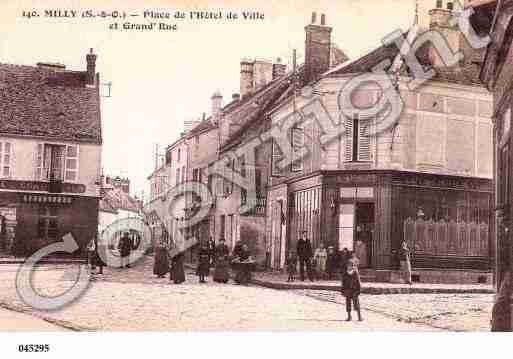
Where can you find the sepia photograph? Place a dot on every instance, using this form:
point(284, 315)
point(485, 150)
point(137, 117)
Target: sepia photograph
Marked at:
point(254, 167)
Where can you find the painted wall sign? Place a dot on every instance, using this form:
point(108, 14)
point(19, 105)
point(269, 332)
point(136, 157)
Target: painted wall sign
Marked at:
point(40, 186)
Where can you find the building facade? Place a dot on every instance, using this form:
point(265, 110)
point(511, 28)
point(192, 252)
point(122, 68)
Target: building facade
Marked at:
point(497, 74)
point(50, 150)
point(427, 179)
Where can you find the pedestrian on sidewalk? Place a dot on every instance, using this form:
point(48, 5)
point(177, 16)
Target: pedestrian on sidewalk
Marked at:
point(244, 264)
point(351, 287)
point(221, 274)
point(304, 252)
point(203, 262)
point(405, 260)
point(125, 248)
point(291, 263)
point(177, 273)
point(320, 257)
point(161, 265)
point(331, 262)
point(212, 251)
point(344, 257)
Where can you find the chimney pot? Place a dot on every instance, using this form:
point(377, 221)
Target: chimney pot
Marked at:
point(314, 17)
point(323, 19)
point(91, 68)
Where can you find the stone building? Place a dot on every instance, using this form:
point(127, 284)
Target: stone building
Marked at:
point(50, 154)
point(426, 179)
point(497, 73)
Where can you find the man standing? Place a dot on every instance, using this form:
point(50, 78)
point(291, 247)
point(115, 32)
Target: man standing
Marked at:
point(125, 247)
point(304, 252)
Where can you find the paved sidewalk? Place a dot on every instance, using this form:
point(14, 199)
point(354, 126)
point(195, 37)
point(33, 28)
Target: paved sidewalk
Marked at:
point(277, 280)
point(14, 321)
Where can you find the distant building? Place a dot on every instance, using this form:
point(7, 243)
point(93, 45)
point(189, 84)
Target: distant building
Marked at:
point(50, 154)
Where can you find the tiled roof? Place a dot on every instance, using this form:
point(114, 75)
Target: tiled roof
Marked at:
point(116, 199)
point(202, 126)
point(252, 112)
point(46, 103)
point(466, 73)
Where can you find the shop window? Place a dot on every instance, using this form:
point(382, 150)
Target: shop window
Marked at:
point(6, 152)
point(48, 223)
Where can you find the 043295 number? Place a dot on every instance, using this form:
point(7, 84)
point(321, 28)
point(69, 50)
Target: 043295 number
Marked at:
point(34, 348)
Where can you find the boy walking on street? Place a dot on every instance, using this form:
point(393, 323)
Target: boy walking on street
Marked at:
point(351, 286)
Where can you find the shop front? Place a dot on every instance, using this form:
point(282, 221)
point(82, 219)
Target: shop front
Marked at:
point(446, 220)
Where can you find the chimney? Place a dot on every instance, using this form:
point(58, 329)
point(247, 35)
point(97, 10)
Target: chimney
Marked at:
point(440, 20)
point(262, 73)
point(235, 97)
point(91, 68)
point(246, 77)
point(317, 48)
point(217, 103)
point(279, 69)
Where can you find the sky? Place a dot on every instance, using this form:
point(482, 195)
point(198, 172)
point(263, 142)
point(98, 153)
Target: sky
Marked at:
point(162, 78)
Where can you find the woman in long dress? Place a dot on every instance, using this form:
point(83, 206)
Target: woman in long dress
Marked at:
point(320, 257)
point(244, 264)
point(177, 274)
point(221, 273)
point(161, 266)
point(203, 262)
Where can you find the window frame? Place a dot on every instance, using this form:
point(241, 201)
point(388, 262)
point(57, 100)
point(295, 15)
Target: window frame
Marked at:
point(3, 153)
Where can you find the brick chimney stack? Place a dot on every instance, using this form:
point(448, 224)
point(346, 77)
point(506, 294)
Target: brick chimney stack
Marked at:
point(317, 47)
point(217, 103)
point(91, 68)
point(246, 77)
point(279, 69)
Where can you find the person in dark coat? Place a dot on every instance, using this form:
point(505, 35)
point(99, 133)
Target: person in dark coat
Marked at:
point(221, 274)
point(125, 248)
point(94, 256)
point(212, 251)
point(331, 263)
point(243, 275)
point(177, 274)
point(291, 263)
point(237, 249)
point(304, 252)
point(345, 255)
point(161, 265)
point(203, 262)
point(405, 262)
point(351, 287)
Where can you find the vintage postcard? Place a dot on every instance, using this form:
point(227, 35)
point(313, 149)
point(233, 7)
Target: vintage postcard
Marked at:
point(245, 165)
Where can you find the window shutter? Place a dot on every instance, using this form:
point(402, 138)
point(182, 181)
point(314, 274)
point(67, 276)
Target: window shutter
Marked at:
point(364, 141)
point(6, 159)
point(298, 142)
point(276, 157)
point(39, 156)
point(71, 163)
point(348, 123)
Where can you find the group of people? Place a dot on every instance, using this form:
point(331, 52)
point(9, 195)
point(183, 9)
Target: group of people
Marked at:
point(323, 263)
point(125, 247)
point(209, 255)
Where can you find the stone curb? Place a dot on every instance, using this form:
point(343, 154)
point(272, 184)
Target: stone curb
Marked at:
point(373, 290)
point(57, 322)
point(44, 261)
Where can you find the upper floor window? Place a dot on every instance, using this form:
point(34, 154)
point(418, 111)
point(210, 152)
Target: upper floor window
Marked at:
point(6, 152)
point(169, 157)
point(184, 174)
point(57, 162)
point(178, 156)
point(439, 4)
point(298, 142)
point(357, 139)
point(177, 176)
point(275, 160)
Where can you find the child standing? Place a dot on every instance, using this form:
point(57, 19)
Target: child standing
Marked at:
point(291, 262)
point(351, 289)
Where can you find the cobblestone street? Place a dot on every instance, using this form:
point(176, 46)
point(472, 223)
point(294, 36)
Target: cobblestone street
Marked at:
point(134, 299)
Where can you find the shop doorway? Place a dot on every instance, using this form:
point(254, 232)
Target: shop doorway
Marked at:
point(364, 231)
